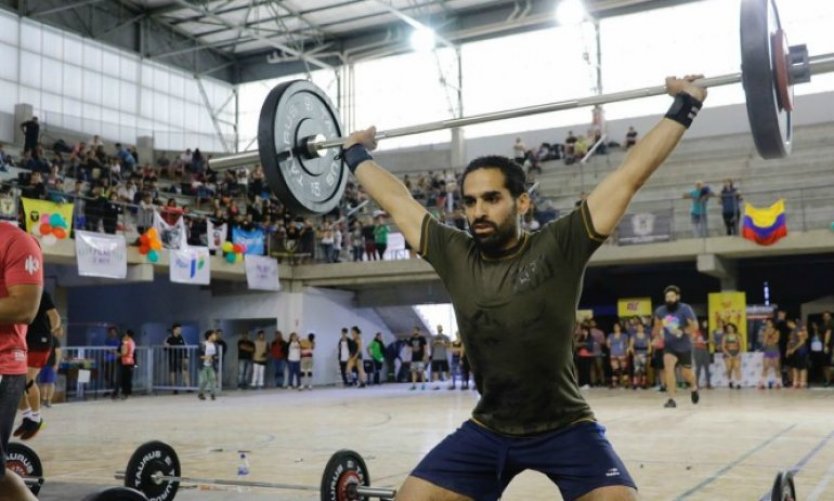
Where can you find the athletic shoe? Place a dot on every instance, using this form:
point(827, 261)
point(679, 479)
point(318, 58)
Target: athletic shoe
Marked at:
point(437, 387)
point(213, 397)
point(47, 405)
point(585, 387)
point(413, 387)
point(731, 385)
point(695, 397)
point(31, 428)
point(201, 396)
point(20, 429)
point(670, 404)
point(452, 387)
point(738, 386)
point(423, 386)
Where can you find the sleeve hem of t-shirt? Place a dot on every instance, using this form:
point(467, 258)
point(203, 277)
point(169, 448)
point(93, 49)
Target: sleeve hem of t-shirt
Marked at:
point(589, 224)
point(424, 235)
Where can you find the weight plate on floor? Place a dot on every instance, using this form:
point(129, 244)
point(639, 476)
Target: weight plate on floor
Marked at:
point(783, 487)
point(345, 471)
point(117, 494)
point(150, 458)
point(306, 183)
point(24, 461)
point(772, 126)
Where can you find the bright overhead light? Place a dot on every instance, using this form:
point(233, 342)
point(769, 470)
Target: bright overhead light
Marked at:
point(422, 39)
point(570, 12)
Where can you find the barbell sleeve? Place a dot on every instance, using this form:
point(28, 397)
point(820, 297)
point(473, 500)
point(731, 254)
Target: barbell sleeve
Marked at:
point(823, 63)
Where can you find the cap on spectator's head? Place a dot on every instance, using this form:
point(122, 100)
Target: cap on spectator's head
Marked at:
point(672, 288)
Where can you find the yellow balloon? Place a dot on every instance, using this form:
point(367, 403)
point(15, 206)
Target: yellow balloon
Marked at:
point(239, 258)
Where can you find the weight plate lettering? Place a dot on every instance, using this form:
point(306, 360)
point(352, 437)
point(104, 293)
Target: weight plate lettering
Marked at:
point(771, 125)
point(150, 458)
point(117, 494)
point(24, 461)
point(305, 183)
point(345, 471)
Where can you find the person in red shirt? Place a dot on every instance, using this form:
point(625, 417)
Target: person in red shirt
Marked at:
point(21, 285)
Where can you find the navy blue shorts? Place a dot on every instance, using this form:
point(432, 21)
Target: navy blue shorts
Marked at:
point(478, 463)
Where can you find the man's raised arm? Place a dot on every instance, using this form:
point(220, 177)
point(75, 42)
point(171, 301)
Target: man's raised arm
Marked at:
point(386, 190)
point(609, 200)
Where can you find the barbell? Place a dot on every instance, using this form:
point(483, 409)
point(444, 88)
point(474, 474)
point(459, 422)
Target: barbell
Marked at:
point(154, 470)
point(299, 131)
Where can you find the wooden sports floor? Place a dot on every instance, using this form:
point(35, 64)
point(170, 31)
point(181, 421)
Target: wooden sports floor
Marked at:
point(730, 446)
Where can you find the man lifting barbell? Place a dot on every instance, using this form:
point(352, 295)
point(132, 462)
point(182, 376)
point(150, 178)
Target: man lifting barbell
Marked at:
point(515, 296)
point(21, 284)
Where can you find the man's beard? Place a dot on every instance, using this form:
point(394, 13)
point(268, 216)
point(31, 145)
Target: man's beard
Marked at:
point(671, 305)
point(495, 242)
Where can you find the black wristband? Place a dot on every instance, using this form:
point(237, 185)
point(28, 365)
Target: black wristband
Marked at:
point(684, 109)
point(355, 155)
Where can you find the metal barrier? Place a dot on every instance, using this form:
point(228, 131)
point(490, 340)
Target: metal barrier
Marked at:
point(93, 371)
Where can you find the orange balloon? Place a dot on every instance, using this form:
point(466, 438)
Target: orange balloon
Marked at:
point(152, 233)
point(156, 245)
point(59, 233)
point(45, 228)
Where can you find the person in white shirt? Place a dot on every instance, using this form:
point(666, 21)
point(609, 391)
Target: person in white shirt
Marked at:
point(208, 370)
point(294, 361)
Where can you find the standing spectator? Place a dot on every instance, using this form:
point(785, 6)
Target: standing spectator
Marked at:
point(584, 356)
point(699, 196)
point(570, 142)
point(355, 361)
point(798, 356)
point(640, 349)
point(519, 151)
point(245, 350)
point(439, 357)
point(111, 359)
point(278, 351)
point(308, 346)
point(456, 349)
point(376, 349)
point(631, 137)
point(731, 347)
point(381, 237)
point(344, 355)
point(730, 207)
point(5, 159)
point(419, 357)
point(128, 161)
point(208, 370)
point(600, 351)
point(259, 361)
point(827, 335)
point(701, 346)
point(617, 343)
point(128, 362)
point(327, 241)
point(31, 134)
point(770, 358)
point(110, 217)
point(177, 358)
point(49, 373)
point(370, 241)
point(356, 240)
point(294, 361)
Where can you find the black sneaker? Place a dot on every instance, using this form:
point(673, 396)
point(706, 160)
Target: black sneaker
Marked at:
point(670, 404)
point(20, 429)
point(201, 396)
point(31, 428)
point(731, 385)
point(695, 397)
point(213, 397)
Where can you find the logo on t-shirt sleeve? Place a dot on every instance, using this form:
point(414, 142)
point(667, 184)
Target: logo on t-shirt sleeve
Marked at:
point(32, 265)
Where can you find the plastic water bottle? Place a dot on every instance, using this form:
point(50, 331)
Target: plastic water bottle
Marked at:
point(242, 470)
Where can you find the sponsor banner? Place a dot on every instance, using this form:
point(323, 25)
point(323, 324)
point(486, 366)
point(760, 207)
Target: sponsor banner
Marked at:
point(101, 255)
point(262, 273)
point(190, 266)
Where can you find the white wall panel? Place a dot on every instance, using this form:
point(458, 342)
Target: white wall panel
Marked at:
point(30, 37)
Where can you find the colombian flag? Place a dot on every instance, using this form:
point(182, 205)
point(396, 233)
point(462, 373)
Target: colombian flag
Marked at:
point(764, 226)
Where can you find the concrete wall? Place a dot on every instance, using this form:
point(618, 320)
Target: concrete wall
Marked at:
point(150, 309)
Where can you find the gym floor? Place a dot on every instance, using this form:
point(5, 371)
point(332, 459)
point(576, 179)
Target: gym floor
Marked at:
point(730, 446)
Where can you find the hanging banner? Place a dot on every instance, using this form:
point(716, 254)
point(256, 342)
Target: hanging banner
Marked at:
point(252, 239)
point(190, 266)
point(262, 273)
point(634, 307)
point(48, 220)
point(173, 236)
point(101, 255)
point(645, 228)
point(216, 234)
point(8, 207)
point(729, 307)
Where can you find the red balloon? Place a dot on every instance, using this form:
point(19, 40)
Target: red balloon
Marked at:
point(144, 249)
point(144, 240)
point(59, 233)
point(46, 229)
point(238, 249)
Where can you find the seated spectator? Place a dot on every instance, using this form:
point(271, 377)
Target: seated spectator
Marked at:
point(110, 215)
point(35, 188)
point(580, 148)
point(6, 160)
point(35, 162)
point(570, 141)
point(631, 138)
point(519, 151)
point(171, 213)
point(128, 161)
point(96, 141)
point(198, 162)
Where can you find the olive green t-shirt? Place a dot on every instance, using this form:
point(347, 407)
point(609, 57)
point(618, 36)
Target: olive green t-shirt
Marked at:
point(516, 317)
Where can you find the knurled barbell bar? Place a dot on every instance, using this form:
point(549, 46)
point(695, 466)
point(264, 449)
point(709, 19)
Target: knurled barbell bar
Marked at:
point(154, 469)
point(299, 131)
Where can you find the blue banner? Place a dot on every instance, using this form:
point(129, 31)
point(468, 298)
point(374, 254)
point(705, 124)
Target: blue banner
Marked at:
point(252, 239)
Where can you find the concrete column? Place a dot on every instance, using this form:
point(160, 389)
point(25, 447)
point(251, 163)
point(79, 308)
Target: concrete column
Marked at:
point(720, 268)
point(144, 146)
point(22, 113)
point(458, 158)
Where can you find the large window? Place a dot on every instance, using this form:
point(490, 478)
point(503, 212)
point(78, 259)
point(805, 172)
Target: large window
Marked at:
point(79, 84)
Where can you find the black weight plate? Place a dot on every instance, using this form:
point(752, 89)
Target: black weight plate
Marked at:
point(292, 112)
point(117, 494)
point(772, 127)
point(344, 470)
point(153, 457)
point(783, 487)
point(24, 461)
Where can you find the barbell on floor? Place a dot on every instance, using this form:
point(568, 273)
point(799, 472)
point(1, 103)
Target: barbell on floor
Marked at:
point(154, 469)
point(299, 131)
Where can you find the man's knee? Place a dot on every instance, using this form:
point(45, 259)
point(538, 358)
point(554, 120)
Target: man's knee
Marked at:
point(611, 493)
point(417, 489)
